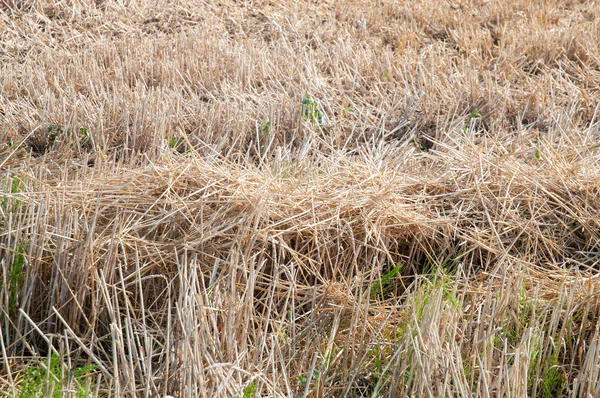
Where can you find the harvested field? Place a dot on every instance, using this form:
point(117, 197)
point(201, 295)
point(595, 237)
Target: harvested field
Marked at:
point(299, 199)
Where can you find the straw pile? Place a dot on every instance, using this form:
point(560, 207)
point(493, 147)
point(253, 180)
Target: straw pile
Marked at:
point(335, 198)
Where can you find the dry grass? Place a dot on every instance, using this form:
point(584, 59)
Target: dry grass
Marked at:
point(326, 198)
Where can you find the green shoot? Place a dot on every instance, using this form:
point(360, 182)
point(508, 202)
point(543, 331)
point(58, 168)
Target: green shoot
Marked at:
point(311, 111)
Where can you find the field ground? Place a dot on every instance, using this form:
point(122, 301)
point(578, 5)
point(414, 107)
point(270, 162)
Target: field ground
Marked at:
point(299, 198)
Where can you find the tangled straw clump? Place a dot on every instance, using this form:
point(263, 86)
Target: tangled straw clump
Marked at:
point(325, 199)
point(205, 259)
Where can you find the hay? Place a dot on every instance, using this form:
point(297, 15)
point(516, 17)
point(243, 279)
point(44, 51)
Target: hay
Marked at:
point(290, 199)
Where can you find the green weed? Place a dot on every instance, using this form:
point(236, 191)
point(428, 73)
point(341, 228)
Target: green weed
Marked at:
point(311, 111)
point(514, 327)
point(547, 372)
point(553, 381)
point(473, 115)
point(380, 287)
point(263, 128)
point(441, 274)
point(285, 169)
point(175, 143)
point(261, 132)
point(419, 146)
point(266, 127)
point(303, 379)
point(55, 131)
point(450, 264)
point(47, 381)
point(250, 390)
point(16, 278)
point(433, 284)
point(381, 357)
point(86, 138)
point(13, 187)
